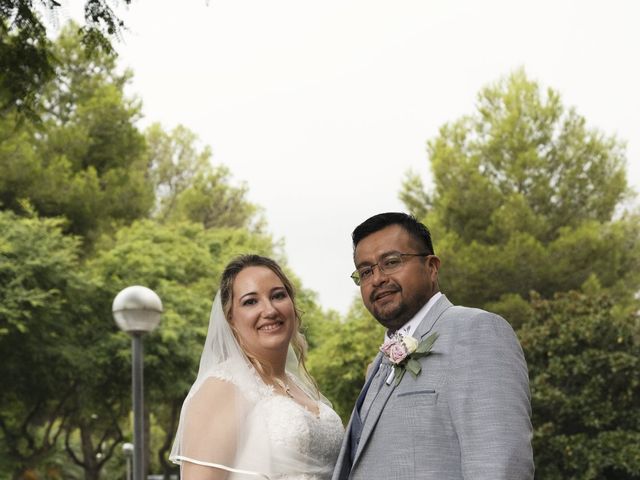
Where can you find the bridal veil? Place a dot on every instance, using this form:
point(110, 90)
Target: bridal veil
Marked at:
point(222, 425)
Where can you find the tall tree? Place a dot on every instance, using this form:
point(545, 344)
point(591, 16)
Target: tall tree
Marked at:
point(527, 197)
point(528, 202)
point(85, 160)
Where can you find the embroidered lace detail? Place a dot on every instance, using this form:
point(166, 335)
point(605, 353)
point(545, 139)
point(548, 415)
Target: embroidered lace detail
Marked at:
point(290, 426)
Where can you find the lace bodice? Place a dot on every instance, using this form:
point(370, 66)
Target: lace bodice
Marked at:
point(292, 430)
point(291, 426)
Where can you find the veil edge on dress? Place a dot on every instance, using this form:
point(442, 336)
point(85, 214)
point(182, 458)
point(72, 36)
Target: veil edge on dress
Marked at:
point(181, 458)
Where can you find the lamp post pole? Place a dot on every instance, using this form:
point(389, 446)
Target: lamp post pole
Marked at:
point(137, 311)
point(137, 390)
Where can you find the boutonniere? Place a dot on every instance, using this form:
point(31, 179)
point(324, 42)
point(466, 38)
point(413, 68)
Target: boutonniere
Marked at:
point(403, 351)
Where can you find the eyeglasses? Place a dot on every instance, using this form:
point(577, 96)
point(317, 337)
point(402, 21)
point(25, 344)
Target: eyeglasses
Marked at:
point(387, 264)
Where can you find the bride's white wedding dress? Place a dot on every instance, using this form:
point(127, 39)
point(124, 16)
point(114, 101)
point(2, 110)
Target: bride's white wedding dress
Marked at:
point(240, 428)
point(269, 435)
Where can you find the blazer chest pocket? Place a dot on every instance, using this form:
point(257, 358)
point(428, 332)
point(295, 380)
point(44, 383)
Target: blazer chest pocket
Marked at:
point(416, 398)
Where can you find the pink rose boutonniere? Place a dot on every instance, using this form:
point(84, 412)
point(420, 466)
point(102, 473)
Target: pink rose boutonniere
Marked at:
point(403, 351)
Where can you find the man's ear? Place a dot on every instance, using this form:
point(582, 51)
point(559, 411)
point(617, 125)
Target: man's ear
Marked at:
point(433, 262)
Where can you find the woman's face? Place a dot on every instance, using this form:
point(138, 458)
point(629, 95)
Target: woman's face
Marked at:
point(262, 312)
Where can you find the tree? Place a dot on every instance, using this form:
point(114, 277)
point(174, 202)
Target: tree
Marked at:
point(583, 358)
point(85, 160)
point(339, 362)
point(528, 203)
point(182, 262)
point(189, 187)
point(527, 197)
point(27, 59)
point(41, 292)
point(69, 380)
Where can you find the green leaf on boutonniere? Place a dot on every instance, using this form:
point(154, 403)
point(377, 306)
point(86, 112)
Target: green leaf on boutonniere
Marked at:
point(414, 367)
point(424, 347)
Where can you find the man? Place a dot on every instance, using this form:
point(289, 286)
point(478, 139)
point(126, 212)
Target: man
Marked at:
point(466, 412)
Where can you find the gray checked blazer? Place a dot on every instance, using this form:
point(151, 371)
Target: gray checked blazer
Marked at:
point(466, 416)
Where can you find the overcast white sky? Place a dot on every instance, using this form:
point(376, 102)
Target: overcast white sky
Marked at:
point(321, 107)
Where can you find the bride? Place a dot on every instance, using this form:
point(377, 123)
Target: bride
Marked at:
point(254, 411)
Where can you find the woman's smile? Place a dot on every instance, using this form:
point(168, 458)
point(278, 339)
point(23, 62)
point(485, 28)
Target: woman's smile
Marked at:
point(270, 327)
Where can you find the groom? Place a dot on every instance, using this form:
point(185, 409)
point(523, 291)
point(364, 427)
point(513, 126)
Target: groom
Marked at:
point(466, 415)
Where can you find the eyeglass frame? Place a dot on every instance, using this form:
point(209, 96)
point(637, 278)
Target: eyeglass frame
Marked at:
point(355, 276)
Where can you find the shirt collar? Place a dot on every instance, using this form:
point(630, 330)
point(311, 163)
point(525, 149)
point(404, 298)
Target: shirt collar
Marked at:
point(410, 327)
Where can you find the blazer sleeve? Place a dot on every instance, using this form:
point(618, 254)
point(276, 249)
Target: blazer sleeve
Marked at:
point(489, 401)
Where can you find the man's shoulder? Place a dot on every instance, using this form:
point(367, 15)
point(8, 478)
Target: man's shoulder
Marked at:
point(470, 313)
point(471, 317)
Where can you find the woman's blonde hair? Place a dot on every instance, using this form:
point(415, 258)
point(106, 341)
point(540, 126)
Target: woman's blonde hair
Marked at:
point(298, 342)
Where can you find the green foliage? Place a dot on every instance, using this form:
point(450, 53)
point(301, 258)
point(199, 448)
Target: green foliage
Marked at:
point(526, 204)
point(182, 263)
point(188, 187)
point(27, 59)
point(413, 195)
point(523, 149)
point(176, 264)
point(526, 198)
point(42, 294)
point(339, 362)
point(84, 160)
point(583, 363)
point(78, 224)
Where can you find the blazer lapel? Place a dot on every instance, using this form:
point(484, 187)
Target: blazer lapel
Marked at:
point(376, 409)
point(372, 417)
point(434, 313)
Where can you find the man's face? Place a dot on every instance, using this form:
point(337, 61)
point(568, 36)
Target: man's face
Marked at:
point(393, 299)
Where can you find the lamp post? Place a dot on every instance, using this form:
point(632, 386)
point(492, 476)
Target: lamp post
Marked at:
point(137, 311)
point(127, 449)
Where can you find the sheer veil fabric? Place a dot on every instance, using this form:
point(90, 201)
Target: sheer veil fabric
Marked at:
point(224, 424)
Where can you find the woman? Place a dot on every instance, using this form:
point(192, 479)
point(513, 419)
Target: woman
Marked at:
point(254, 411)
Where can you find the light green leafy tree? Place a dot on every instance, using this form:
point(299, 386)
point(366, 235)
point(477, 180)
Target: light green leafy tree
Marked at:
point(528, 202)
point(85, 159)
point(527, 197)
point(85, 164)
point(189, 187)
point(182, 262)
point(72, 370)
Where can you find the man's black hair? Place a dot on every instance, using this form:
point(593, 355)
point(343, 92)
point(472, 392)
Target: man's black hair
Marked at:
point(408, 222)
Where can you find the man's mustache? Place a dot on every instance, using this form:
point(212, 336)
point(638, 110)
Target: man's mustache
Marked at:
point(375, 294)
